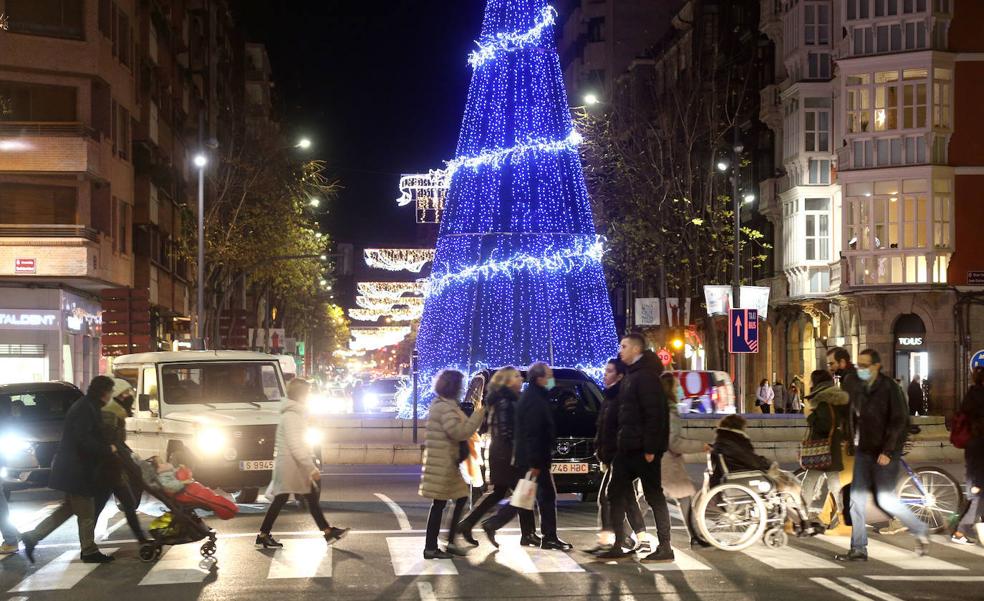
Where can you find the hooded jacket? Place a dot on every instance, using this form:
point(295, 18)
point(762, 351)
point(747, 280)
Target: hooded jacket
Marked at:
point(829, 409)
point(293, 460)
point(643, 412)
point(447, 425)
point(500, 417)
point(77, 465)
point(606, 433)
point(882, 418)
point(736, 450)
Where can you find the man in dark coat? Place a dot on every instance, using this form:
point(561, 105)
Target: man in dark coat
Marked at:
point(882, 421)
point(533, 442)
point(839, 364)
point(75, 471)
point(916, 397)
point(643, 437)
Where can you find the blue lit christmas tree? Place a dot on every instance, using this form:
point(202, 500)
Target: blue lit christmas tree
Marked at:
point(517, 276)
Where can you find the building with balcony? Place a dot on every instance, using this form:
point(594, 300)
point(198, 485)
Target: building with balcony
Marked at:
point(882, 161)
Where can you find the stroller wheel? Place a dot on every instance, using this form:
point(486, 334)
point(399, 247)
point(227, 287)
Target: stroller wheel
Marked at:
point(208, 549)
point(208, 563)
point(149, 552)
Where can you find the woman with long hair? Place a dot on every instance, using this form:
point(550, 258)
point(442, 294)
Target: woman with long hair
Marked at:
point(441, 480)
point(294, 469)
point(500, 421)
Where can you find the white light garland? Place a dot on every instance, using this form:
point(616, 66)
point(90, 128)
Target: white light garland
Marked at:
point(490, 46)
point(579, 256)
point(399, 259)
point(404, 314)
point(389, 290)
point(371, 339)
point(497, 157)
point(368, 302)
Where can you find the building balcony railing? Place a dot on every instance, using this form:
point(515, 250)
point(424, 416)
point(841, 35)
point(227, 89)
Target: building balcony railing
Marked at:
point(72, 129)
point(41, 147)
point(48, 231)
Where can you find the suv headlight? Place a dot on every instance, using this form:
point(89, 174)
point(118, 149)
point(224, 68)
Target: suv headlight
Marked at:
point(313, 436)
point(14, 444)
point(211, 441)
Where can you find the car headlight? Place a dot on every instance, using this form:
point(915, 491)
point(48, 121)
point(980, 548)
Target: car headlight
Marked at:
point(313, 436)
point(13, 444)
point(211, 440)
point(370, 400)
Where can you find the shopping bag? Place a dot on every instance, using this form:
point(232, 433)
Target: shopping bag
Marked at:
point(524, 496)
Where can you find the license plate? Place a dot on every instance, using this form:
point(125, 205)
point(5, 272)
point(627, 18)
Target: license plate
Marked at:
point(569, 468)
point(256, 465)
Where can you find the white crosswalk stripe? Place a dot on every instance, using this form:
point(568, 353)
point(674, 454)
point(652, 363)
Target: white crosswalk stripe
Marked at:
point(945, 542)
point(901, 558)
point(788, 558)
point(683, 561)
point(62, 573)
point(407, 555)
point(302, 558)
point(178, 565)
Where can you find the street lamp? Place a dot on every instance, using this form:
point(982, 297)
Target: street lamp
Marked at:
point(315, 202)
point(200, 161)
point(591, 99)
point(722, 166)
point(749, 198)
point(304, 143)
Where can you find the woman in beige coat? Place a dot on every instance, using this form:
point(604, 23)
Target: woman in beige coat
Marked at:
point(441, 480)
point(294, 470)
point(677, 484)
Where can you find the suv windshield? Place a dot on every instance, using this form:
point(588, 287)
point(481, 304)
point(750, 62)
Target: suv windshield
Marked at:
point(49, 405)
point(575, 406)
point(214, 382)
point(385, 386)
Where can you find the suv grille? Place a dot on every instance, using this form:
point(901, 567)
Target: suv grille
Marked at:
point(574, 448)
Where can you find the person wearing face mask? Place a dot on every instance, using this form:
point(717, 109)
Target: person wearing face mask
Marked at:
point(839, 365)
point(881, 423)
point(643, 437)
point(533, 446)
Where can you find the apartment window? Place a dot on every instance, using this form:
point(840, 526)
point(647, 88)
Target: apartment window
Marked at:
point(911, 6)
point(819, 171)
point(818, 65)
point(817, 217)
point(123, 31)
point(54, 18)
point(816, 23)
point(886, 100)
point(942, 101)
point(941, 6)
point(942, 213)
point(31, 102)
point(123, 221)
point(915, 215)
point(817, 130)
point(858, 103)
point(122, 141)
point(885, 8)
point(858, 9)
point(596, 29)
point(27, 204)
point(864, 40)
point(914, 105)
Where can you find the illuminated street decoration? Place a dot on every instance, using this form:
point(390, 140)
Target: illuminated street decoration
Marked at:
point(375, 338)
point(428, 191)
point(517, 276)
point(389, 290)
point(393, 314)
point(388, 303)
point(399, 259)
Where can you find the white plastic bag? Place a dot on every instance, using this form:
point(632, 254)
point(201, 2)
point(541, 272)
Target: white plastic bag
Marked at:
point(524, 497)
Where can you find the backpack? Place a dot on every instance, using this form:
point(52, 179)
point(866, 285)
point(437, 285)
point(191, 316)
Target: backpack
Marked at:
point(960, 435)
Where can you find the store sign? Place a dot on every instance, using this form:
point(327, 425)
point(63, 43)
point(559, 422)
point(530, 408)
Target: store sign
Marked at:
point(15, 319)
point(25, 266)
point(975, 278)
point(910, 341)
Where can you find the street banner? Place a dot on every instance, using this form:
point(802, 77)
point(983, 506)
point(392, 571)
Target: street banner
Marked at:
point(678, 311)
point(647, 312)
point(718, 299)
point(743, 331)
point(756, 297)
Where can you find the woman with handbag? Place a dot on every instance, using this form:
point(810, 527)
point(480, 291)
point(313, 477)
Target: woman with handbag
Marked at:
point(500, 407)
point(441, 480)
point(822, 452)
point(764, 396)
point(971, 526)
point(294, 470)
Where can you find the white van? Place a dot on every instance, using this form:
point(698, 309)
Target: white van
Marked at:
point(214, 411)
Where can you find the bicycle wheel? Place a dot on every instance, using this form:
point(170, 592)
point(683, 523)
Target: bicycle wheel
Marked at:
point(731, 517)
point(936, 498)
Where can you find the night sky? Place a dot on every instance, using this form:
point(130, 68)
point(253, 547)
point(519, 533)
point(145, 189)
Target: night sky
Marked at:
point(379, 87)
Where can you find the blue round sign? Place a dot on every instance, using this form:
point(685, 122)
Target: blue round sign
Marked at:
point(977, 360)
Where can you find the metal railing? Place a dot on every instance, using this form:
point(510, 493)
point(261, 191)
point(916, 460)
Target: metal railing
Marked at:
point(73, 129)
point(48, 231)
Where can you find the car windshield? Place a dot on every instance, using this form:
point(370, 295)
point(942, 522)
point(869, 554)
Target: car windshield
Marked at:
point(385, 386)
point(575, 404)
point(37, 406)
point(211, 383)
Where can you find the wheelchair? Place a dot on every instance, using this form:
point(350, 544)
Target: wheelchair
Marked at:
point(744, 508)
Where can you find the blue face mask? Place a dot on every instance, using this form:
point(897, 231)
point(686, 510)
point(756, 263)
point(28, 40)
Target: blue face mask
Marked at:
point(864, 373)
point(550, 384)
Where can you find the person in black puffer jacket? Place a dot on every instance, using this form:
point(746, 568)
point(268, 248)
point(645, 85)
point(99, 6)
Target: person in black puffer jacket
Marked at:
point(971, 526)
point(643, 437)
point(606, 446)
point(500, 424)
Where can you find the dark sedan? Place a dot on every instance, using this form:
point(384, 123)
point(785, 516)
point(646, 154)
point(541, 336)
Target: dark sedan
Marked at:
point(31, 420)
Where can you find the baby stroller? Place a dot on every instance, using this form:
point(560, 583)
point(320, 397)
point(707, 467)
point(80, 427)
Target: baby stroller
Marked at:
point(182, 527)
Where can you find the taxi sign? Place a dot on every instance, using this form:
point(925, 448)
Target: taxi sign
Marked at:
point(743, 331)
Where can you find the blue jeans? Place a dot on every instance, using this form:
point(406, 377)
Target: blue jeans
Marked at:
point(10, 534)
point(867, 475)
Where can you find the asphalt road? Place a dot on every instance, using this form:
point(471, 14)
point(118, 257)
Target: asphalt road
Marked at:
point(380, 559)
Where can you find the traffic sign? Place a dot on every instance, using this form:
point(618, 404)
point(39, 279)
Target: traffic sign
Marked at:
point(743, 331)
point(665, 356)
point(977, 360)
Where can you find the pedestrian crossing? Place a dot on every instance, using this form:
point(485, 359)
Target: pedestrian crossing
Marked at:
point(310, 559)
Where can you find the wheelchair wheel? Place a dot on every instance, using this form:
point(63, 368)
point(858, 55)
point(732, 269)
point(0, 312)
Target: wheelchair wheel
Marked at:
point(936, 498)
point(731, 517)
point(775, 538)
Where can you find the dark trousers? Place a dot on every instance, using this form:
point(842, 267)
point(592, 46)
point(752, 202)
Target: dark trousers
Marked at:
point(313, 502)
point(124, 494)
point(546, 502)
point(492, 498)
point(434, 521)
point(634, 513)
point(621, 490)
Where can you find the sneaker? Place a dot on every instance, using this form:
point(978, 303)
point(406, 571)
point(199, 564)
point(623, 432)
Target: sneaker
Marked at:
point(644, 547)
point(6, 549)
point(922, 546)
point(436, 554)
point(894, 527)
point(958, 538)
point(333, 535)
point(615, 553)
point(662, 554)
point(852, 555)
point(97, 557)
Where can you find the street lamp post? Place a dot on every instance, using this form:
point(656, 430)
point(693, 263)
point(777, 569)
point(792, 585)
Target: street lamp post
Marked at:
point(201, 161)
